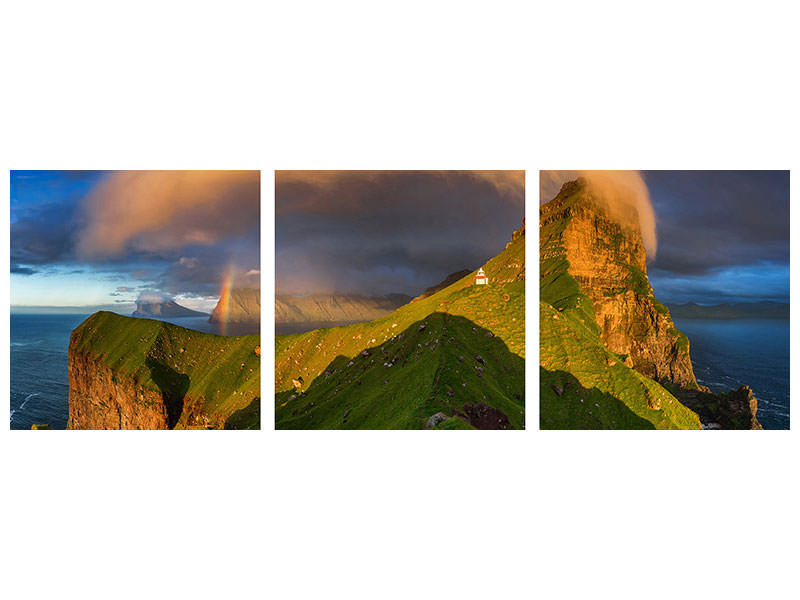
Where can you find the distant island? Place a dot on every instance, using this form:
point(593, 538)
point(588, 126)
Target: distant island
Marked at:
point(164, 308)
point(739, 310)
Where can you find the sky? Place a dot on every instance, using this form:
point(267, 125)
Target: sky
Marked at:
point(100, 239)
point(722, 236)
point(374, 233)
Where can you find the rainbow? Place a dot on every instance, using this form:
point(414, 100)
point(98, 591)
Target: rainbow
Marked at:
point(225, 299)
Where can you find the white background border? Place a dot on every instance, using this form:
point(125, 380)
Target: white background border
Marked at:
point(461, 85)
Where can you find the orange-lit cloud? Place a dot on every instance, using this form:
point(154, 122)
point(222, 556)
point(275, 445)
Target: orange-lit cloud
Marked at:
point(161, 210)
point(619, 191)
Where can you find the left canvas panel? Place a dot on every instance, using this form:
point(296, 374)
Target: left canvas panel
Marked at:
point(135, 300)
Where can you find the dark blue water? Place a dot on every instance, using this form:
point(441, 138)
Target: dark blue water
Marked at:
point(39, 383)
point(39, 387)
point(727, 354)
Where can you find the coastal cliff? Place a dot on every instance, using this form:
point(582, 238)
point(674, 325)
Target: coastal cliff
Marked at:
point(610, 354)
point(243, 306)
point(607, 260)
point(134, 373)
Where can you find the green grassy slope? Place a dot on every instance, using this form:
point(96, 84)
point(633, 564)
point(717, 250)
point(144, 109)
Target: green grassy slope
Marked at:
point(217, 375)
point(438, 364)
point(586, 386)
point(418, 389)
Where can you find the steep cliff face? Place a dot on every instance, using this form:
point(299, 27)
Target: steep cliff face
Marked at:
point(610, 355)
point(243, 306)
point(608, 262)
point(99, 398)
point(132, 373)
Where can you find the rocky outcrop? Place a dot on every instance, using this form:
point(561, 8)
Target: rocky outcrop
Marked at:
point(608, 261)
point(519, 233)
point(735, 410)
point(509, 265)
point(243, 306)
point(434, 420)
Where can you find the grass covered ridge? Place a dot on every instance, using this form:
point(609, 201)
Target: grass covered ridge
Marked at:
point(216, 375)
point(426, 376)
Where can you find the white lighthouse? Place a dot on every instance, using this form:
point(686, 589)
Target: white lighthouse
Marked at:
point(481, 278)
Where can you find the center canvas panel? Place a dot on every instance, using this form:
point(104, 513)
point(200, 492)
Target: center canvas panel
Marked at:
point(400, 300)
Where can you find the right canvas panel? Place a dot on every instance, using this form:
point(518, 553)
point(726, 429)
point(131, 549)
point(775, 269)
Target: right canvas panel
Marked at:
point(664, 299)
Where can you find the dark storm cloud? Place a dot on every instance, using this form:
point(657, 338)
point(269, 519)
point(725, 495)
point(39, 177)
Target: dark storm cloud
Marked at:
point(199, 270)
point(723, 235)
point(710, 220)
point(392, 231)
point(22, 270)
point(43, 235)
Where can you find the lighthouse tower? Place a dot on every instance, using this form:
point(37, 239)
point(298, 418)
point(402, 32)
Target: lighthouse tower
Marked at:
point(481, 278)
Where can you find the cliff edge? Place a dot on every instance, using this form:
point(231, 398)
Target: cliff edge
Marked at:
point(134, 373)
point(610, 354)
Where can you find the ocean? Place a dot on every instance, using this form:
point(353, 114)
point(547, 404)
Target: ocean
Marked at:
point(729, 353)
point(39, 384)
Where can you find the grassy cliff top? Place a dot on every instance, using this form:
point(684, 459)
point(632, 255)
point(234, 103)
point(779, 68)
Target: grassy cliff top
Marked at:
point(224, 372)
